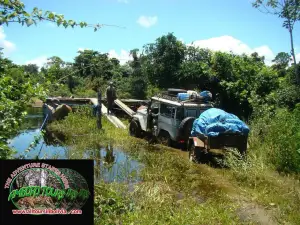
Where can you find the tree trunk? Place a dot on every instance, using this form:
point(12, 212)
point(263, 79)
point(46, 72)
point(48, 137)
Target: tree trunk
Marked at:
point(293, 55)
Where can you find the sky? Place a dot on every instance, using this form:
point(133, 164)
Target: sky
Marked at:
point(231, 25)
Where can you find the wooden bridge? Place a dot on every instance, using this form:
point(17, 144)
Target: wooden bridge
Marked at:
point(94, 101)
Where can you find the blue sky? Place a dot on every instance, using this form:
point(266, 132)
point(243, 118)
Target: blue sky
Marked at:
point(216, 24)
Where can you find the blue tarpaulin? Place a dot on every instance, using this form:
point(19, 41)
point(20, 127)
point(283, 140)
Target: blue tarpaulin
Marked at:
point(214, 121)
point(207, 96)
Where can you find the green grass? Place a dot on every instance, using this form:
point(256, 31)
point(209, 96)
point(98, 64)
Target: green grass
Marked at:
point(173, 190)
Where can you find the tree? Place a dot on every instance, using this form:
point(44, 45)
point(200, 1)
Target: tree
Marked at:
point(138, 82)
point(163, 60)
point(31, 69)
point(289, 10)
point(92, 64)
point(282, 59)
point(15, 95)
point(55, 68)
point(258, 58)
point(16, 91)
point(281, 62)
point(195, 70)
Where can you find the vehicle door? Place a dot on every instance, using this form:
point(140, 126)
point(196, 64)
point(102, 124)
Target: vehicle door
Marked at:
point(166, 119)
point(152, 114)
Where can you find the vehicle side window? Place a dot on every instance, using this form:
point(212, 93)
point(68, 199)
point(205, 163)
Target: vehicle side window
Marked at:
point(167, 110)
point(191, 113)
point(180, 114)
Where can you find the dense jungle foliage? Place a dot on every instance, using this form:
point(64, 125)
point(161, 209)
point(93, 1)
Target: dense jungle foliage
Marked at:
point(241, 84)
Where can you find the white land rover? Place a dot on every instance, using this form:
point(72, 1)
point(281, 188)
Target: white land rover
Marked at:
point(168, 119)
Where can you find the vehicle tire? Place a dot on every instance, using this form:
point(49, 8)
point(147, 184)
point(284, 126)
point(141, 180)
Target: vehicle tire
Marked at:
point(185, 129)
point(165, 138)
point(174, 91)
point(134, 129)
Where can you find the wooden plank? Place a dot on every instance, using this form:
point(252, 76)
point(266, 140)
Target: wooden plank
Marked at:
point(113, 119)
point(126, 109)
point(94, 101)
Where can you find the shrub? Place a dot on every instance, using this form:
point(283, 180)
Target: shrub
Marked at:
point(277, 139)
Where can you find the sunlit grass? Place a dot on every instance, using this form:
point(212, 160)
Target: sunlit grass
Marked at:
point(171, 190)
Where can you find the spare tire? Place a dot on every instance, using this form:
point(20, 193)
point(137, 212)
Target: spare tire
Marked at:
point(174, 91)
point(185, 128)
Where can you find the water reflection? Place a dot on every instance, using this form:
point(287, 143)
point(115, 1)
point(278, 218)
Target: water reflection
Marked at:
point(109, 158)
point(111, 165)
point(31, 129)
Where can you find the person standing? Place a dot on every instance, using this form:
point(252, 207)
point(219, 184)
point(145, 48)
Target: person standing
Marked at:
point(110, 97)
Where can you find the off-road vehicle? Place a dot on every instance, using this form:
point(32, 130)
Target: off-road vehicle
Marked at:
point(167, 118)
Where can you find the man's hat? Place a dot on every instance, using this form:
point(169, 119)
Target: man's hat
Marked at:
point(56, 101)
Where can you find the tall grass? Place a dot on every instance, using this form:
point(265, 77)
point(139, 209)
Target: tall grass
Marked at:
point(270, 175)
point(171, 190)
point(276, 139)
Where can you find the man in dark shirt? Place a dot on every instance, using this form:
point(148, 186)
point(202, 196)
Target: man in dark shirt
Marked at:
point(110, 97)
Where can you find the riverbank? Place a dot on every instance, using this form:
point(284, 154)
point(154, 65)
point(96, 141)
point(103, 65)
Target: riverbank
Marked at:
point(169, 189)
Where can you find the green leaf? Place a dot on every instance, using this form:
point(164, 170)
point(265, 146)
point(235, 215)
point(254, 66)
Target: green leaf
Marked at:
point(40, 13)
point(51, 16)
point(72, 23)
point(29, 22)
point(26, 14)
point(65, 24)
point(59, 22)
point(35, 10)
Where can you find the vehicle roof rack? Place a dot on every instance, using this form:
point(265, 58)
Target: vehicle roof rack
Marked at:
point(172, 97)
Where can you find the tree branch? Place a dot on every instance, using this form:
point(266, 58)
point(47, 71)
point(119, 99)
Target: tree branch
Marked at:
point(76, 24)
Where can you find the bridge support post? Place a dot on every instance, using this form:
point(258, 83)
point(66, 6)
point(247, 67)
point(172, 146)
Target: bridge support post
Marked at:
point(99, 114)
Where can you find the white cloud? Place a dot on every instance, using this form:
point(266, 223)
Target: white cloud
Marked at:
point(123, 1)
point(123, 57)
point(181, 39)
point(298, 57)
point(147, 21)
point(39, 61)
point(230, 44)
point(8, 47)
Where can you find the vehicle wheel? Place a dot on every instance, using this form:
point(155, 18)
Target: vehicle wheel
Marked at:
point(165, 138)
point(185, 129)
point(134, 129)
